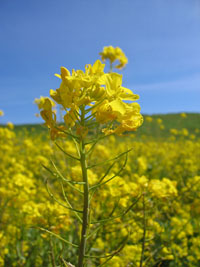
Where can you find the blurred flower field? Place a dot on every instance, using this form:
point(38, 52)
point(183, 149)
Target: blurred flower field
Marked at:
point(160, 186)
point(104, 185)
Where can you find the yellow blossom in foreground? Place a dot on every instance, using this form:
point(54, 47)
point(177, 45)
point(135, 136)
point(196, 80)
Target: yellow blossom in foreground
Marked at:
point(44, 103)
point(101, 92)
point(1, 113)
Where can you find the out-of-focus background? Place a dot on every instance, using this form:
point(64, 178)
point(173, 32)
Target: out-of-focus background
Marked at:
point(160, 38)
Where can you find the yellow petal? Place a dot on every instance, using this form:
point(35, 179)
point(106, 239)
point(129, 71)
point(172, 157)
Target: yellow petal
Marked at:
point(64, 73)
point(57, 75)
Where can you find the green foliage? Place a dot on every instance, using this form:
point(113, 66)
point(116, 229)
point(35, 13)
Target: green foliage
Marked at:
point(170, 121)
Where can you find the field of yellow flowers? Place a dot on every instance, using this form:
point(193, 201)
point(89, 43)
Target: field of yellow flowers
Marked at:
point(93, 191)
point(160, 184)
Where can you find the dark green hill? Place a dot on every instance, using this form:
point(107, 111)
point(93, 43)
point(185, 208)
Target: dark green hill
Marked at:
point(169, 121)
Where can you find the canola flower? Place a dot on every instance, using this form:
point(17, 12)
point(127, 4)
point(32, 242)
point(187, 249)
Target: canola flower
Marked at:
point(114, 54)
point(91, 100)
point(102, 92)
point(95, 106)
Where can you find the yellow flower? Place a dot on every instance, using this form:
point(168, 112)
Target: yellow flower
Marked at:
point(10, 125)
point(184, 132)
point(97, 68)
point(80, 87)
point(183, 115)
point(128, 114)
point(49, 117)
point(159, 120)
point(149, 119)
point(1, 113)
point(114, 54)
point(163, 188)
point(129, 125)
point(115, 90)
point(174, 131)
point(44, 103)
point(104, 94)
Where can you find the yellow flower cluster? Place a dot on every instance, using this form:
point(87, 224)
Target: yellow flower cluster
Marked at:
point(102, 92)
point(114, 54)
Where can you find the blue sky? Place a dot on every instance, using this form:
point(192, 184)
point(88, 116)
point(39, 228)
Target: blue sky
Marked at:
point(161, 39)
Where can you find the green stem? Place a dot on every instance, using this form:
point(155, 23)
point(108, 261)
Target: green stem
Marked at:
point(82, 247)
point(52, 253)
point(144, 232)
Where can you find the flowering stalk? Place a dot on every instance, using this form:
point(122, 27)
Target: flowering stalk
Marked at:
point(92, 100)
point(86, 195)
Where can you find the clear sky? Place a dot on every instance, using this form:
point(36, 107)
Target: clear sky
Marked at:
point(161, 39)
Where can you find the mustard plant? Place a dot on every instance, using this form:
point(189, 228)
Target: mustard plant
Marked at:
point(95, 105)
